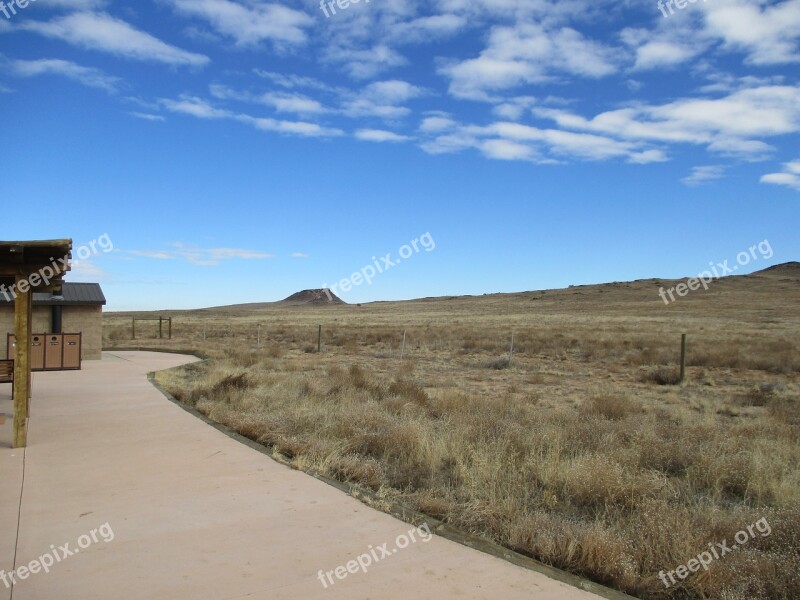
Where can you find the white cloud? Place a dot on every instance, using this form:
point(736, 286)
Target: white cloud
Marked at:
point(381, 99)
point(291, 81)
point(299, 255)
point(365, 64)
point(704, 174)
point(393, 91)
point(456, 141)
point(664, 53)
point(86, 269)
point(207, 257)
point(147, 116)
point(524, 54)
point(380, 135)
point(427, 28)
point(197, 107)
point(299, 128)
point(514, 108)
point(765, 34)
point(789, 177)
point(436, 124)
point(722, 82)
point(102, 32)
point(648, 156)
point(769, 34)
point(293, 103)
point(506, 150)
point(514, 141)
point(280, 101)
point(251, 23)
point(85, 75)
point(726, 125)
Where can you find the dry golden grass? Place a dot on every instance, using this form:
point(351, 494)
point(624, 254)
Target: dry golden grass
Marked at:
point(577, 452)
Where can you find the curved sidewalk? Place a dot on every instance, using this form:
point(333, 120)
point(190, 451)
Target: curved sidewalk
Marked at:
point(195, 514)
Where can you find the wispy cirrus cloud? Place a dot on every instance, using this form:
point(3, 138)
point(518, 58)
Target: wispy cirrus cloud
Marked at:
point(87, 269)
point(380, 99)
point(205, 257)
point(86, 75)
point(280, 101)
point(147, 116)
point(704, 174)
point(201, 109)
point(365, 63)
point(505, 140)
point(102, 32)
point(380, 135)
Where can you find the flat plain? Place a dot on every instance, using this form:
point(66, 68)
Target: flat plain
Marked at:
point(580, 449)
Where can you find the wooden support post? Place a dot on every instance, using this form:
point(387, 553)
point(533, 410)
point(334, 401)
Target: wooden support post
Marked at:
point(160, 328)
point(683, 357)
point(22, 362)
point(133, 328)
point(403, 349)
point(170, 328)
point(319, 339)
point(511, 352)
point(30, 369)
point(258, 337)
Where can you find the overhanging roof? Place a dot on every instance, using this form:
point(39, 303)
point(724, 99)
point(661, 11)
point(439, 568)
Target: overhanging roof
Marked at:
point(41, 257)
point(72, 294)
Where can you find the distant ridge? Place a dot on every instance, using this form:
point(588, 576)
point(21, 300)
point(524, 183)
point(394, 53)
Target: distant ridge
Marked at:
point(639, 290)
point(787, 269)
point(312, 298)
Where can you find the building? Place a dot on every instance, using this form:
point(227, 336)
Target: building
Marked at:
point(79, 309)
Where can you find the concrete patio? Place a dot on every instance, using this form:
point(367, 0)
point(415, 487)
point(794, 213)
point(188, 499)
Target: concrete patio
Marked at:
point(194, 513)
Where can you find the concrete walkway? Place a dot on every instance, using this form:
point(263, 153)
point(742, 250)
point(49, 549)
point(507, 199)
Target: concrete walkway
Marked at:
point(195, 514)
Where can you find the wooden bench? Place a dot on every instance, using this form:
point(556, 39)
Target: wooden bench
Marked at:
point(7, 374)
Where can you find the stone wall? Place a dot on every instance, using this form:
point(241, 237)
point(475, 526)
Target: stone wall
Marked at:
point(87, 320)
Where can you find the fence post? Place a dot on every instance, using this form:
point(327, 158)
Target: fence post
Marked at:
point(133, 328)
point(319, 339)
point(511, 353)
point(258, 337)
point(403, 349)
point(170, 328)
point(160, 328)
point(683, 357)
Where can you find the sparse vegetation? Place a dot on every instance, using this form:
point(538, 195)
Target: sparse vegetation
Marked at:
point(575, 455)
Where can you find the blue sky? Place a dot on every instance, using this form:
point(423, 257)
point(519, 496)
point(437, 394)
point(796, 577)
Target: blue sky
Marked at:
point(239, 151)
